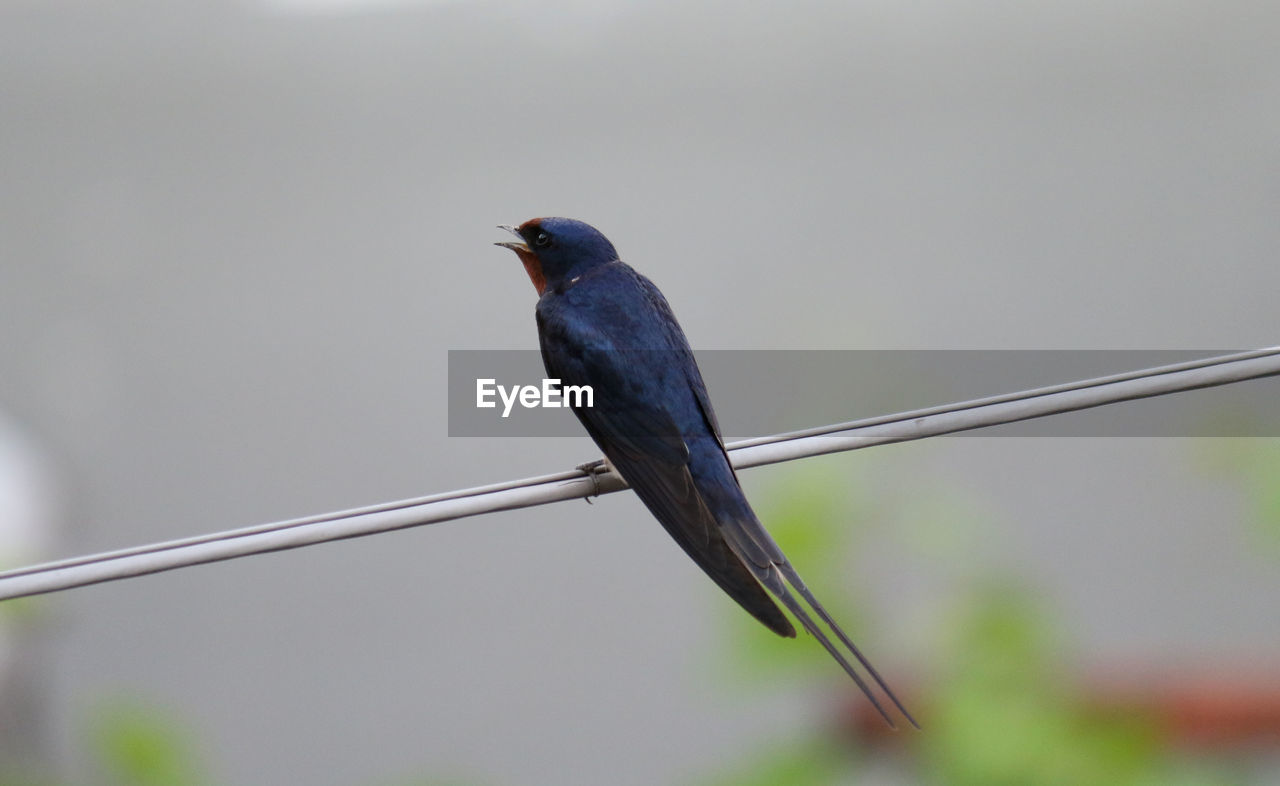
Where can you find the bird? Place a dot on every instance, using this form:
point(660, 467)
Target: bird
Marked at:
point(604, 325)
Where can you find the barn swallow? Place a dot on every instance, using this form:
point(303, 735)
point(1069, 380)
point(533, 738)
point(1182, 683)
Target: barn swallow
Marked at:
point(600, 323)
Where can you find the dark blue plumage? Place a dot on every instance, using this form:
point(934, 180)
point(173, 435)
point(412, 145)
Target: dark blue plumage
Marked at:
point(600, 323)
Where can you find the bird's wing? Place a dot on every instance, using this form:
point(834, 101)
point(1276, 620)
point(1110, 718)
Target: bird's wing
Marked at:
point(644, 444)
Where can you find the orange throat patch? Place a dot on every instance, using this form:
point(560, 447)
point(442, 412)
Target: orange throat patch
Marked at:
point(534, 269)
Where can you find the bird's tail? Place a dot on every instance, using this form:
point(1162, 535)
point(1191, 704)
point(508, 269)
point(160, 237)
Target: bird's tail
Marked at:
point(793, 578)
point(770, 566)
point(774, 582)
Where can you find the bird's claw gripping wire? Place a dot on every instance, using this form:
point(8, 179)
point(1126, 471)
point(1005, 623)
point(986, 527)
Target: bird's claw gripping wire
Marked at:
point(591, 469)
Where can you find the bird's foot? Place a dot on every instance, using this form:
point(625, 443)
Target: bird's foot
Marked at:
point(591, 469)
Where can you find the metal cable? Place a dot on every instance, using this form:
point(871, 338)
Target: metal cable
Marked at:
point(575, 484)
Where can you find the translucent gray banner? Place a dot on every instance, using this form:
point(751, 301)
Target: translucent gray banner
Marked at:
point(505, 393)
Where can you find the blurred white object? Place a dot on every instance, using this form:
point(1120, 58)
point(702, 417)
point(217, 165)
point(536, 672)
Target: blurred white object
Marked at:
point(28, 511)
point(26, 497)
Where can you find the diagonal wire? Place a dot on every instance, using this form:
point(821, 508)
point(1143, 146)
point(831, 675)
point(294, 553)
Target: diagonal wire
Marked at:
point(575, 484)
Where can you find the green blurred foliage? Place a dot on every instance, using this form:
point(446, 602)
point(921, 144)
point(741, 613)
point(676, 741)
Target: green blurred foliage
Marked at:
point(430, 780)
point(25, 779)
point(1253, 467)
point(802, 762)
point(1002, 710)
point(999, 707)
point(142, 745)
point(132, 744)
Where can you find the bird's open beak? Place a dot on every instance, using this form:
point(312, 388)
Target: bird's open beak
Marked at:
point(532, 265)
point(516, 247)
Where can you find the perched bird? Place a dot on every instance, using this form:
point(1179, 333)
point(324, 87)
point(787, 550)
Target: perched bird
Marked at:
point(600, 323)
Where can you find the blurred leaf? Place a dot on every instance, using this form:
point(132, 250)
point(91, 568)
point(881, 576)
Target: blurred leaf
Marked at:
point(946, 527)
point(143, 746)
point(1006, 714)
point(432, 780)
point(804, 762)
point(1254, 466)
point(427, 780)
point(1003, 710)
point(1187, 771)
point(1264, 488)
point(24, 779)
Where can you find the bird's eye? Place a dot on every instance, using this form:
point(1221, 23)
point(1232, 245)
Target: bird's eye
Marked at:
point(542, 240)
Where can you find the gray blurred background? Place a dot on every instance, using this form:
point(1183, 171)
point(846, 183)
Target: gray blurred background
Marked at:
point(237, 241)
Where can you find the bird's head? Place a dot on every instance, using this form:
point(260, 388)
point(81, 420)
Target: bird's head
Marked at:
point(556, 250)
